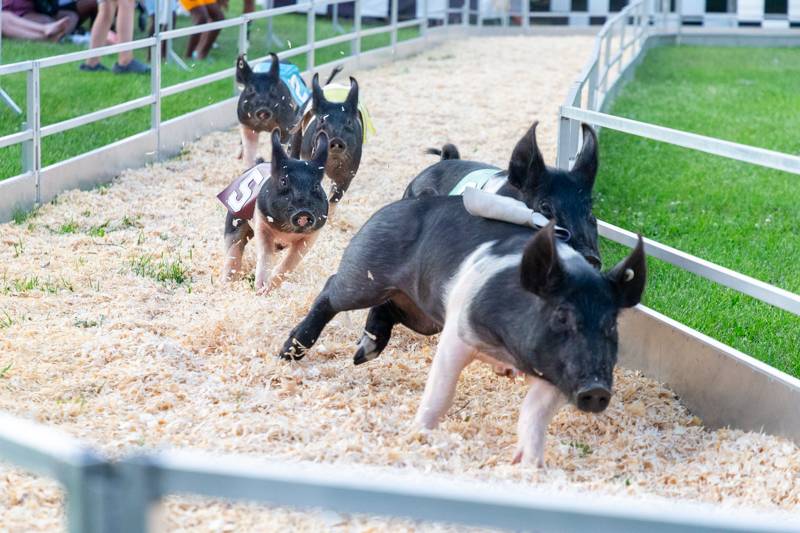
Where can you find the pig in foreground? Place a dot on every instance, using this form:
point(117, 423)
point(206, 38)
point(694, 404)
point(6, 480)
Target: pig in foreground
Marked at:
point(290, 209)
point(498, 292)
point(266, 103)
point(565, 196)
point(343, 124)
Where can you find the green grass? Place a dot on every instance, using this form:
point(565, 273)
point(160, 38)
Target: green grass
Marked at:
point(66, 92)
point(164, 270)
point(736, 215)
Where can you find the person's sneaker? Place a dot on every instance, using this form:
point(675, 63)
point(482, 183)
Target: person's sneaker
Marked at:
point(93, 68)
point(134, 67)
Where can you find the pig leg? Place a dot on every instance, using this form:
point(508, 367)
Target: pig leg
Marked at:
point(296, 142)
point(334, 197)
point(306, 333)
point(452, 356)
point(540, 404)
point(263, 257)
point(237, 233)
point(249, 146)
point(377, 332)
point(337, 296)
point(296, 252)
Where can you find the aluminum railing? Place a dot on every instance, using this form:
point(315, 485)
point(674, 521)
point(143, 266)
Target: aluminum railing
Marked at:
point(619, 44)
point(31, 137)
point(105, 496)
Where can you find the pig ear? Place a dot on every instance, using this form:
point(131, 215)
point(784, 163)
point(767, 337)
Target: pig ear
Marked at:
point(527, 164)
point(629, 276)
point(352, 96)
point(243, 70)
point(275, 66)
point(317, 96)
point(541, 269)
point(585, 167)
point(320, 155)
point(279, 156)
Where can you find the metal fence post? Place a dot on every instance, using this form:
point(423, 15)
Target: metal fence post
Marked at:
point(465, 13)
point(562, 154)
point(35, 119)
point(606, 58)
point(526, 14)
point(591, 101)
point(423, 27)
point(394, 6)
point(623, 25)
point(311, 23)
point(355, 44)
point(242, 44)
point(155, 80)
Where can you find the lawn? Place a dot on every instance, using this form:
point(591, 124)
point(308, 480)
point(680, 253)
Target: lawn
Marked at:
point(734, 214)
point(66, 92)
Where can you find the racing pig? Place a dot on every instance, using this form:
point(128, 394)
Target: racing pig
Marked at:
point(286, 212)
point(502, 293)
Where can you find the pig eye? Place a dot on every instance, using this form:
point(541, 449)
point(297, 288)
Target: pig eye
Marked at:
point(546, 209)
point(562, 319)
point(284, 183)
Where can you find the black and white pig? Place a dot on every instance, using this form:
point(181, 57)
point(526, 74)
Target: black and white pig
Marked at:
point(290, 209)
point(264, 105)
point(498, 292)
point(565, 196)
point(342, 123)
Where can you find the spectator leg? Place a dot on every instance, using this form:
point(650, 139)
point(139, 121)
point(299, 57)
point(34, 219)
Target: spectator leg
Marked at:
point(20, 28)
point(101, 27)
point(207, 39)
point(125, 15)
point(199, 16)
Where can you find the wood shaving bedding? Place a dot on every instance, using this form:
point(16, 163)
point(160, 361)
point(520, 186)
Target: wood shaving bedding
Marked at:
point(105, 352)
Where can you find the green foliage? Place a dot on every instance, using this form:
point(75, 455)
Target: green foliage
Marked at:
point(164, 270)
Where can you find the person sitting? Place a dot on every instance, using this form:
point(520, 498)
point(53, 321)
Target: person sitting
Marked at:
point(202, 12)
point(21, 21)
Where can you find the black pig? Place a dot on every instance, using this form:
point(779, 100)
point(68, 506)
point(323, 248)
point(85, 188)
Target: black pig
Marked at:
point(290, 209)
point(264, 105)
point(565, 196)
point(498, 292)
point(343, 124)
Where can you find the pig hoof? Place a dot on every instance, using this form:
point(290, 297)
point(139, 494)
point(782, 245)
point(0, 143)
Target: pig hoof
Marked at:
point(528, 459)
point(366, 351)
point(264, 290)
point(292, 350)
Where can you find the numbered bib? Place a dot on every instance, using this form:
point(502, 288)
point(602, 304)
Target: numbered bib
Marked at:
point(239, 198)
point(290, 76)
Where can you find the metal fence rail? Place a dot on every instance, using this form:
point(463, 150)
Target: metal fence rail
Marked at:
point(105, 496)
point(31, 137)
point(628, 32)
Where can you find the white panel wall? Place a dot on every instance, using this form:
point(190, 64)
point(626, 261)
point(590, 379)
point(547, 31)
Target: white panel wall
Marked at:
point(693, 8)
point(598, 7)
point(794, 10)
point(750, 10)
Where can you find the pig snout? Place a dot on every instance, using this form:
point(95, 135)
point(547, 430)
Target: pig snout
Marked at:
point(593, 398)
point(263, 114)
point(337, 146)
point(303, 219)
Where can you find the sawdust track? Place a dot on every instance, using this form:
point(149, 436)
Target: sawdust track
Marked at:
point(129, 363)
